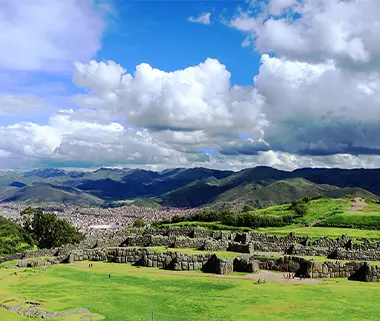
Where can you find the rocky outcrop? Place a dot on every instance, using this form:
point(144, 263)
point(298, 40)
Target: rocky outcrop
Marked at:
point(34, 312)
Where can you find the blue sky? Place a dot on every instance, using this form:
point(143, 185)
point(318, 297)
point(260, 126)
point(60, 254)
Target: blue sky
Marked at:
point(153, 32)
point(66, 99)
point(162, 37)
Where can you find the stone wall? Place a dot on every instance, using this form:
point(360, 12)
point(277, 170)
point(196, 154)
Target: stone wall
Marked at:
point(361, 271)
point(167, 260)
point(99, 248)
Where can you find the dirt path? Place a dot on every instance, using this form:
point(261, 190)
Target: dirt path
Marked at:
point(268, 276)
point(357, 205)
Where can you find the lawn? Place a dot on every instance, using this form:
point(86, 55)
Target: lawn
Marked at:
point(316, 209)
point(354, 220)
point(316, 232)
point(367, 217)
point(371, 207)
point(134, 293)
point(221, 254)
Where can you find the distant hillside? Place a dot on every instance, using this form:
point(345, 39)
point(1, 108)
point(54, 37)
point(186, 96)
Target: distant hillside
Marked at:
point(285, 191)
point(189, 187)
point(47, 193)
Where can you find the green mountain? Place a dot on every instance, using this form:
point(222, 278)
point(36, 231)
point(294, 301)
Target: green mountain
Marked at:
point(189, 187)
point(48, 193)
point(284, 191)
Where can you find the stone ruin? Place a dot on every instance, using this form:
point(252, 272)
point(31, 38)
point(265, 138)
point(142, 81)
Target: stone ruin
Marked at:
point(132, 247)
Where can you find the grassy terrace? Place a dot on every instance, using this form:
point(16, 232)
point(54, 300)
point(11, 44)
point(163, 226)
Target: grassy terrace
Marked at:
point(367, 217)
point(316, 232)
point(221, 254)
point(325, 217)
point(133, 293)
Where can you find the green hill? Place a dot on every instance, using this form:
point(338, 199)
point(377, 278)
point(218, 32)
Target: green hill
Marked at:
point(259, 193)
point(48, 193)
point(285, 191)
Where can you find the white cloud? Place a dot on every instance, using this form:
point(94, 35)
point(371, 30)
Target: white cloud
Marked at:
point(68, 139)
point(317, 30)
point(314, 103)
point(319, 108)
point(195, 98)
point(204, 18)
point(20, 104)
point(49, 35)
point(276, 7)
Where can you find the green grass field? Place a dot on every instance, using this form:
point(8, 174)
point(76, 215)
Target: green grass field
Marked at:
point(133, 293)
point(354, 220)
point(316, 232)
point(321, 212)
point(367, 217)
point(316, 209)
point(221, 254)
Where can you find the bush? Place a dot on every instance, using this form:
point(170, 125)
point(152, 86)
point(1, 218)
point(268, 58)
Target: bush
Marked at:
point(247, 208)
point(300, 209)
point(13, 238)
point(230, 219)
point(139, 223)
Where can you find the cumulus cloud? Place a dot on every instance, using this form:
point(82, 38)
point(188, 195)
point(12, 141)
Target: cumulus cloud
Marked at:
point(319, 77)
point(314, 103)
point(196, 98)
point(317, 30)
point(69, 138)
point(204, 18)
point(49, 35)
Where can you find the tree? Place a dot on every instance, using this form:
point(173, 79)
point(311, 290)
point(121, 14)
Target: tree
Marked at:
point(247, 208)
point(300, 209)
point(175, 219)
point(48, 230)
point(13, 238)
point(139, 223)
point(230, 219)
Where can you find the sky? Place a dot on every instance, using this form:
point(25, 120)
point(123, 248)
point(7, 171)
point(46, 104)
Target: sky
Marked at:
point(163, 84)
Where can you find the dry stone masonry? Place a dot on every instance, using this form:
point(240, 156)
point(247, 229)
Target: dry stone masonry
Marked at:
point(132, 247)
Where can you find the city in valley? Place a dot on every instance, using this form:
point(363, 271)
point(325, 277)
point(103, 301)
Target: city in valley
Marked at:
point(97, 219)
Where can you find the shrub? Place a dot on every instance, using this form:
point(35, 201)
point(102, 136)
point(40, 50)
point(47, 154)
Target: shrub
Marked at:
point(300, 210)
point(247, 208)
point(139, 223)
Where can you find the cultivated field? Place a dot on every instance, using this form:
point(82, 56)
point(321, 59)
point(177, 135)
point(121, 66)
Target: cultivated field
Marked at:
point(134, 293)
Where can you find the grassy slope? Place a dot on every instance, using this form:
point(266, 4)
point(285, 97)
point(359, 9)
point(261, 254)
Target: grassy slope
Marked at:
point(368, 217)
point(330, 211)
point(146, 203)
point(316, 232)
point(317, 211)
point(286, 191)
point(221, 254)
point(133, 293)
point(46, 193)
point(277, 192)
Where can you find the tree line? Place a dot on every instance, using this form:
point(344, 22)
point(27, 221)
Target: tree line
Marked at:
point(38, 229)
point(248, 217)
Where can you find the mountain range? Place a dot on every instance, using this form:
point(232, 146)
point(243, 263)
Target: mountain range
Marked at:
point(183, 187)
